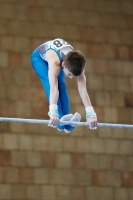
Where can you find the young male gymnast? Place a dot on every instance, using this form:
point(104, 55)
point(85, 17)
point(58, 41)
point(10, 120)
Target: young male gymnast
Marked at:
point(53, 61)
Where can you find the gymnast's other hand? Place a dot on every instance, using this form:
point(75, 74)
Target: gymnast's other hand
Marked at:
point(54, 121)
point(92, 123)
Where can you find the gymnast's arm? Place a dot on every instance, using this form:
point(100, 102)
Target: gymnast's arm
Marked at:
point(90, 113)
point(81, 81)
point(53, 72)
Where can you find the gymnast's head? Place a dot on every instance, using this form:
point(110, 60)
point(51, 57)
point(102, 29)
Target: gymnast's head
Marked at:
point(73, 64)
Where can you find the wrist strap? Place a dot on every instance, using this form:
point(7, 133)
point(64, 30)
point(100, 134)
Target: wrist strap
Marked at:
point(91, 115)
point(90, 112)
point(51, 113)
point(53, 107)
point(89, 109)
point(53, 110)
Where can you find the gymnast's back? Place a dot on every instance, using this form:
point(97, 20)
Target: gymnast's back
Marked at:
point(60, 46)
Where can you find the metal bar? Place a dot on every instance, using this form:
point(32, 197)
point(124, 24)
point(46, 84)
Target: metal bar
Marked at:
point(38, 121)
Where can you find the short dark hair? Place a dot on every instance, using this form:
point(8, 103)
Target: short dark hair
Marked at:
point(75, 62)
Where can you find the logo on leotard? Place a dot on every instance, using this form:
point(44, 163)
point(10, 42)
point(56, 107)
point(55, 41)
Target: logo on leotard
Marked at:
point(59, 43)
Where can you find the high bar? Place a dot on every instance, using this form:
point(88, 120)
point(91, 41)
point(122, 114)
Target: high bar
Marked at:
point(39, 121)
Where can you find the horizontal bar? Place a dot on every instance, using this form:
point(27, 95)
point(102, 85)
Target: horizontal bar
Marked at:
point(38, 121)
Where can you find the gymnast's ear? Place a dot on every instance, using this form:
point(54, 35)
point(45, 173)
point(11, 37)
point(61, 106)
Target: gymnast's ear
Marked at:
point(63, 64)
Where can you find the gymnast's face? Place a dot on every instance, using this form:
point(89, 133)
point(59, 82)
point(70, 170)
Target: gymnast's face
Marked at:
point(67, 73)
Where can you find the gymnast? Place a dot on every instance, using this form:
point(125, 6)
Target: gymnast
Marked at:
point(53, 61)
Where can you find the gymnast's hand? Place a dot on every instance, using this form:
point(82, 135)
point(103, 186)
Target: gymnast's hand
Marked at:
point(54, 121)
point(91, 117)
point(92, 122)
